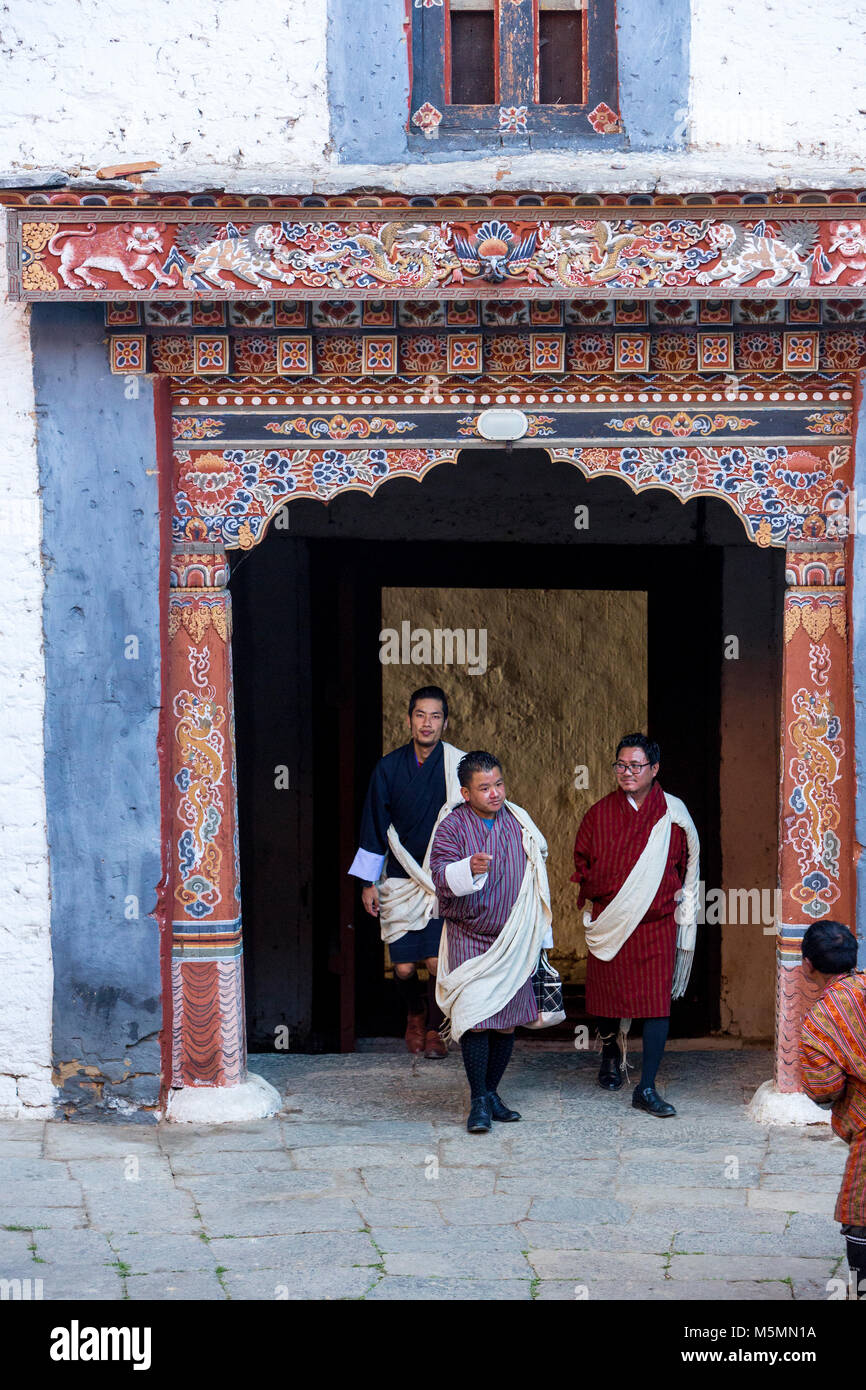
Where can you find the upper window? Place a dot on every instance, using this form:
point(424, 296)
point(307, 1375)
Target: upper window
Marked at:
point(506, 68)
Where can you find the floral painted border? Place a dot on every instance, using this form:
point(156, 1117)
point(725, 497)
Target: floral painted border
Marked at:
point(779, 493)
point(228, 498)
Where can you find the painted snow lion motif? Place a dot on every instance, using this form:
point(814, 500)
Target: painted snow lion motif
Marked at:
point(848, 243)
point(254, 257)
point(123, 249)
point(368, 255)
point(744, 254)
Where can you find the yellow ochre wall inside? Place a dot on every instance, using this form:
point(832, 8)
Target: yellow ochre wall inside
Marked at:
point(566, 677)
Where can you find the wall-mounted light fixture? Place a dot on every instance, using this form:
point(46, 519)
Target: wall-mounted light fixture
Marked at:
point(502, 425)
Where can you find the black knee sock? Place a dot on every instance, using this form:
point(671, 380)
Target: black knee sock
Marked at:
point(501, 1047)
point(475, 1049)
point(435, 1016)
point(655, 1035)
point(856, 1241)
point(605, 1027)
point(411, 993)
point(857, 1273)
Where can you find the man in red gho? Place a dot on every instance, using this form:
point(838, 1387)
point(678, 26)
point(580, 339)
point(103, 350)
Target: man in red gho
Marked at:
point(636, 860)
point(833, 1065)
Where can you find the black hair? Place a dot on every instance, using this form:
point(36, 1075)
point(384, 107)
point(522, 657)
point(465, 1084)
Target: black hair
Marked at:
point(651, 750)
point(475, 762)
point(429, 692)
point(831, 948)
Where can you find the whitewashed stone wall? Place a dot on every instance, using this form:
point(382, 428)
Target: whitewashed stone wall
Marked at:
point(219, 83)
point(25, 941)
point(783, 76)
point(224, 94)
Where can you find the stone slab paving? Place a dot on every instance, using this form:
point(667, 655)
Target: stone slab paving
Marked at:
point(367, 1186)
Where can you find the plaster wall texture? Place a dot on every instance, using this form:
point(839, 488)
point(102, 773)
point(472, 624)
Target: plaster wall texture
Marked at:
point(219, 100)
point(25, 940)
point(96, 448)
point(782, 75)
point(543, 717)
point(217, 83)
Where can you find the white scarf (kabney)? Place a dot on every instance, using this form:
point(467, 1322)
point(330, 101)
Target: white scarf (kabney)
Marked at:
point(480, 987)
point(407, 904)
point(615, 924)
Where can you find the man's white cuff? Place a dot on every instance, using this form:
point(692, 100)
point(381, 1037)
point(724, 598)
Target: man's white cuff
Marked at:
point(367, 865)
point(459, 878)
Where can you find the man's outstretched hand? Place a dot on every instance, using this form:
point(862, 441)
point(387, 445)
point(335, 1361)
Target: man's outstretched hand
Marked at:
point(479, 864)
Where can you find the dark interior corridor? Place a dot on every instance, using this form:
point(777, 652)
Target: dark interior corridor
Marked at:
point(308, 687)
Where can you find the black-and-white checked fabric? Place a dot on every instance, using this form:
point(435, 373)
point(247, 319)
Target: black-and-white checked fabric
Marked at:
point(547, 986)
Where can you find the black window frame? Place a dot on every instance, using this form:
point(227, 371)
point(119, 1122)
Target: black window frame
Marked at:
point(516, 115)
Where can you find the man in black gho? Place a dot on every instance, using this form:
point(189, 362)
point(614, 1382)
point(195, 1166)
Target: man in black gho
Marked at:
point(407, 791)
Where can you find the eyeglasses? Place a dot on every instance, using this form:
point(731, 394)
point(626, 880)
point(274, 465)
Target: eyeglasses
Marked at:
point(630, 767)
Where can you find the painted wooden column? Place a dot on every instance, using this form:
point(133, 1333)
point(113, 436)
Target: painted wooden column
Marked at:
point(208, 1035)
point(817, 789)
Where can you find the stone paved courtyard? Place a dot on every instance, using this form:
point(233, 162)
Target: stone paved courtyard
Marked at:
point(367, 1186)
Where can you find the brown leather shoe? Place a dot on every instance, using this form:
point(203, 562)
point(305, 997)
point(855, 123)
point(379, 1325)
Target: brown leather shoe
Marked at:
point(416, 1027)
point(433, 1045)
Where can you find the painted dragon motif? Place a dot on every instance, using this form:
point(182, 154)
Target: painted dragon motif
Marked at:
point(604, 253)
point(201, 753)
point(389, 254)
point(392, 255)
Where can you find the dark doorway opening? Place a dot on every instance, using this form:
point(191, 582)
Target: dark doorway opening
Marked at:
point(308, 683)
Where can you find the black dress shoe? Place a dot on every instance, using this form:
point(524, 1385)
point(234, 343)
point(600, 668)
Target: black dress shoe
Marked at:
point(500, 1111)
point(647, 1098)
point(610, 1077)
point(480, 1118)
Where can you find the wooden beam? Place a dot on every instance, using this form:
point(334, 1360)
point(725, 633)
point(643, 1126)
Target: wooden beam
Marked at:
point(125, 171)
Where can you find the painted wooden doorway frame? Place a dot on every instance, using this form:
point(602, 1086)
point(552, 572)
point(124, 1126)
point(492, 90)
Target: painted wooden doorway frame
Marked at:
point(177, 248)
point(816, 875)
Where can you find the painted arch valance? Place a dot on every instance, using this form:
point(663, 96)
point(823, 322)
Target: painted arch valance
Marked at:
point(229, 496)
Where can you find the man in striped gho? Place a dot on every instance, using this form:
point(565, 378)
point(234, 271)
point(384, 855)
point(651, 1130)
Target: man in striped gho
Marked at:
point(487, 863)
point(833, 1066)
point(636, 860)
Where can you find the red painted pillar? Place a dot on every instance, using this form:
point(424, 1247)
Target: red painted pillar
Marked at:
point(208, 1034)
point(816, 872)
